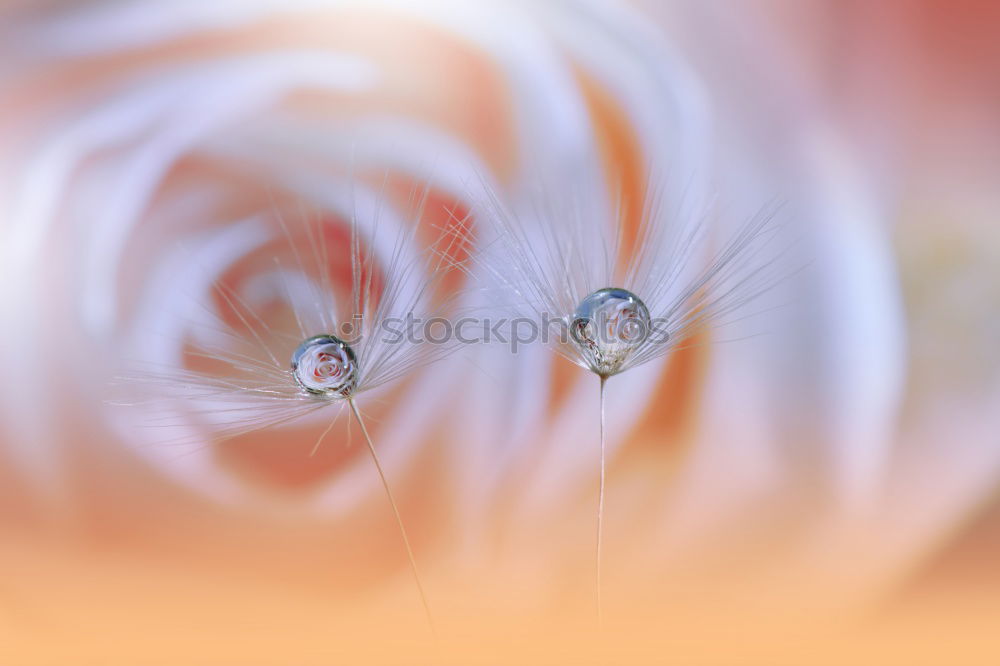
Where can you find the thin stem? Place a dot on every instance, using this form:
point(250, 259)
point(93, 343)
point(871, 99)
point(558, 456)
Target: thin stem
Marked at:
point(600, 510)
point(395, 510)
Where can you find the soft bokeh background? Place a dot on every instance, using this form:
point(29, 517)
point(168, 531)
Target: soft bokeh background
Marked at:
point(825, 490)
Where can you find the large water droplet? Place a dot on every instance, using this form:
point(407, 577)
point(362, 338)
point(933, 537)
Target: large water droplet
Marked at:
point(608, 326)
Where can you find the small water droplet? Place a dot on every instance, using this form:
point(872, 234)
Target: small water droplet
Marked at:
point(325, 365)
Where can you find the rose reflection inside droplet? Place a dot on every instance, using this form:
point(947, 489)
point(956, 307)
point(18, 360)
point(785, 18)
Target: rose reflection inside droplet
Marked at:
point(325, 365)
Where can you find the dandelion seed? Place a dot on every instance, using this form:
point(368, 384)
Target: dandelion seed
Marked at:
point(561, 259)
point(260, 366)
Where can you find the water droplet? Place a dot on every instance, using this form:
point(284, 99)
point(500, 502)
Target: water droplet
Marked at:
point(608, 326)
point(325, 365)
